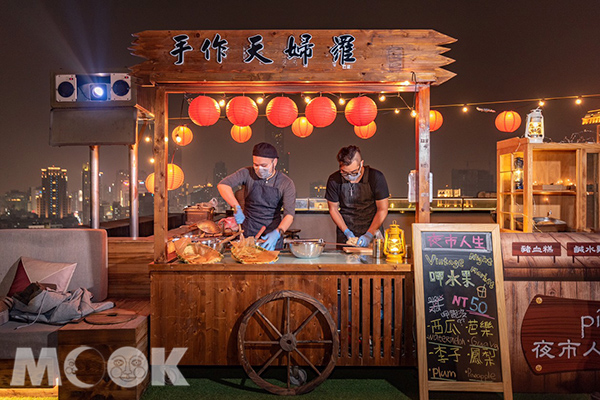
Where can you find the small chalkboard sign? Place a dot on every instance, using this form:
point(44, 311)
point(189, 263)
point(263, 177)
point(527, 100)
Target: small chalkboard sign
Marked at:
point(461, 320)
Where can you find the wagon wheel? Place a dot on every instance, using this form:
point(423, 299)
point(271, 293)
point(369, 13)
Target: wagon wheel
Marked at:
point(301, 374)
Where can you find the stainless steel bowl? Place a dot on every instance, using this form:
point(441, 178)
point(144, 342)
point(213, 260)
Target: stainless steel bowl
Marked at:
point(307, 248)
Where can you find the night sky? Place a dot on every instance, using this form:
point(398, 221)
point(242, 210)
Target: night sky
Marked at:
point(506, 50)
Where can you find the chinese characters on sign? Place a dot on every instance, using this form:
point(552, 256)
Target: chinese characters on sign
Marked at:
point(341, 49)
point(559, 335)
point(536, 249)
point(575, 249)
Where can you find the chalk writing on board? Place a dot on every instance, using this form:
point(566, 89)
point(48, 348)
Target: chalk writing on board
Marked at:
point(460, 311)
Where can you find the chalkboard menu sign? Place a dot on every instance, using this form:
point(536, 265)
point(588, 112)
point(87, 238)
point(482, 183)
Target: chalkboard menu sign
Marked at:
point(461, 322)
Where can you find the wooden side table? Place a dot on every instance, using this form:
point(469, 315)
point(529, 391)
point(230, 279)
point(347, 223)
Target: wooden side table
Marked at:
point(92, 364)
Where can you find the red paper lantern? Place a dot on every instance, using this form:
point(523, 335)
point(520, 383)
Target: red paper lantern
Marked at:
point(175, 178)
point(321, 111)
point(204, 111)
point(365, 131)
point(361, 111)
point(282, 111)
point(242, 111)
point(241, 134)
point(508, 121)
point(301, 127)
point(435, 120)
point(182, 135)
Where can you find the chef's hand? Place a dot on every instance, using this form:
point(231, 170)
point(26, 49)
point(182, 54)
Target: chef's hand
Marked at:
point(239, 215)
point(365, 240)
point(349, 234)
point(270, 240)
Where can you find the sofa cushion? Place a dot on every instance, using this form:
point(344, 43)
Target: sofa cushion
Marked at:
point(31, 270)
point(86, 247)
point(34, 336)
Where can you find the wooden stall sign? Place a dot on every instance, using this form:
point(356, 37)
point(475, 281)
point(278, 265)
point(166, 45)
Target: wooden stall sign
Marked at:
point(310, 55)
point(559, 335)
point(587, 249)
point(461, 321)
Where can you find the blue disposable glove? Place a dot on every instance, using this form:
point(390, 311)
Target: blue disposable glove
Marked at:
point(365, 240)
point(270, 240)
point(239, 215)
point(349, 234)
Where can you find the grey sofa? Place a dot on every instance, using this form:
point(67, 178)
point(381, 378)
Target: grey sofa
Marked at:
point(87, 247)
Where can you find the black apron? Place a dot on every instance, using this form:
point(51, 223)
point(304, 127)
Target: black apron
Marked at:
point(357, 206)
point(262, 207)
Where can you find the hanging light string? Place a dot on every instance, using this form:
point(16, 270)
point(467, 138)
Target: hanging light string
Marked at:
point(577, 98)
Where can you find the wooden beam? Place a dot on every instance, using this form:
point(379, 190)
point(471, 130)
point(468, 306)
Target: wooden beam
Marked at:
point(371, 55)
point(161, 155)
point(423, 155)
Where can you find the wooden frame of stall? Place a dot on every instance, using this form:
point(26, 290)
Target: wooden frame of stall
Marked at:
point(385, 61)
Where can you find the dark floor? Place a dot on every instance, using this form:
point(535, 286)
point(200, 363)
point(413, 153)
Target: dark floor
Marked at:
point(344, 383)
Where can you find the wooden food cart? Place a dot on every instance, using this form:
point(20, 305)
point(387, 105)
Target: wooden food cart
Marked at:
point(291, 312)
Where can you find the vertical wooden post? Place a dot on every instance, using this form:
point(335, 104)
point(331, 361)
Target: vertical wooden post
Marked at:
point(422, 155)
point(133, 188)
point(161, 156)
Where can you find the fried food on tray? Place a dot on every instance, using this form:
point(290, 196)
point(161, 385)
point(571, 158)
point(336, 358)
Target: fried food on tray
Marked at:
point(246, 251)
point(196, 253)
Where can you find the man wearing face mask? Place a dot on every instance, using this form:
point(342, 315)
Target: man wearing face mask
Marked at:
point(266, 191)
point(357, 196)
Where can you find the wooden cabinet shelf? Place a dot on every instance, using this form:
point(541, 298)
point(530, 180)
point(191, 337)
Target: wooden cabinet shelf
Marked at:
point(547, 179)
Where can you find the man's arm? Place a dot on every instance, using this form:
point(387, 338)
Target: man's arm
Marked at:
point(337, 218)
point(226, 193)
point(382, 211)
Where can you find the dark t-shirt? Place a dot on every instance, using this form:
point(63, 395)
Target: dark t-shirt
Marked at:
point(246, 176)
point(377, 182)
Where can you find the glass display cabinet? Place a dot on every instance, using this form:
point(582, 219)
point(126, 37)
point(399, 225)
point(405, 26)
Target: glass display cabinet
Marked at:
point(547, 187)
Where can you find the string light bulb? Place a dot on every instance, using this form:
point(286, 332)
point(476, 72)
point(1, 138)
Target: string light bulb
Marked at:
point(260, 99)
point(151, 160)
point(541, 103)
point(307, 99)
point(382, 97)
point(342, 101)
point(413, 113)
point(465, 109)
point(147, 139)
point(397, 111)
point(222, 103)
point(578, 101)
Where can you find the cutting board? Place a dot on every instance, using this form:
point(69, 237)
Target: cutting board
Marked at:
point(358, 250)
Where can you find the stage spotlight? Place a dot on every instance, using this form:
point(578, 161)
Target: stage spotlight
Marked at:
point(98, 92)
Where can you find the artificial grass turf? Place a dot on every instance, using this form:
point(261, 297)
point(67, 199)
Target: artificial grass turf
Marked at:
point(225, 383)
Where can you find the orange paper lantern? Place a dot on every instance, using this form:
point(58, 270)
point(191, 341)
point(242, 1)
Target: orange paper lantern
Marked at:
point(365, 131)
point(321, 111)
point(361, 111)
point(242, 111)
point(241, 134)
point(182, 135)
point(508, 121)
point(435, 120)
point(175, 178)
point(204, 111)
point(282, 111)
point(301, 127)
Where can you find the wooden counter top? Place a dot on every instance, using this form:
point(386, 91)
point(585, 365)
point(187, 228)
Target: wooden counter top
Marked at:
point(327, 262)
